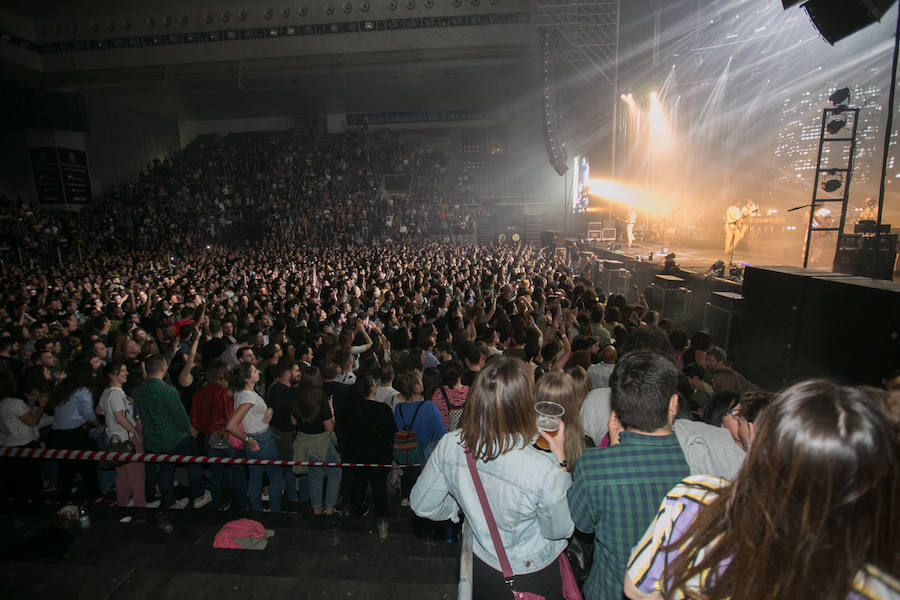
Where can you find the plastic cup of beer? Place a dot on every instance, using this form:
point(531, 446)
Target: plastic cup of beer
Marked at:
point(549, 415)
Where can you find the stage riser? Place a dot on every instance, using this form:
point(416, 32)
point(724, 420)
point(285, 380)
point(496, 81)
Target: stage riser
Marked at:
point(807, 323)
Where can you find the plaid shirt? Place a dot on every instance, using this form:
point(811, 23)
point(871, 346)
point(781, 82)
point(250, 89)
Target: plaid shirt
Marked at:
point(615, 495)
point(163, 418)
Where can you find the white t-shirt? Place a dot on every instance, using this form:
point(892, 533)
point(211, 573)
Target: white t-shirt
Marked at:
point(595, 413)
point(386, 395)
point(112, 400)
point(13, 432)
point(252, 421)
point(600, 374)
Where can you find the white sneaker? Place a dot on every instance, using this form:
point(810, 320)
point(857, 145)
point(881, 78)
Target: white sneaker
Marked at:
point(264, 498)
point(180, 504)
point(130, 503)
point(203, 500)
point(154, 504)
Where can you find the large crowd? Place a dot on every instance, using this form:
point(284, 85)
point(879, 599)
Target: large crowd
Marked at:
point(351, 318)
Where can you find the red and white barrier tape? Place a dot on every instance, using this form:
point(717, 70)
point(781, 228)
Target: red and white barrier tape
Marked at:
point(99, 455)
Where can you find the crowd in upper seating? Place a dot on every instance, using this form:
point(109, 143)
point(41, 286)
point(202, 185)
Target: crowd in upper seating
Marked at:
point(345, 322)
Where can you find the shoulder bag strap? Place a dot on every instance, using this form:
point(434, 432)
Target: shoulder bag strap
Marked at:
point(206, 406)
point(414, 414)
point(491, 523)
point(446, 400)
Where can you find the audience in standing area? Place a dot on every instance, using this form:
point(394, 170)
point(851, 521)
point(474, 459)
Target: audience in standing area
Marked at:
point(353, 316)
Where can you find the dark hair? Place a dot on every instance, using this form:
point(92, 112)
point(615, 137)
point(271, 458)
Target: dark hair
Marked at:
point(644, 338)
point(431, 381)
point(642, 384)
point(701, 341)
point(386, 372)
point(306, 403)
point(499, 411)
point(400, 339)
point(717, 353)
point(405, 382)
point(283, 365)
point(154, 364)
point(753, 403)
point(112, 368)
point(311, 376)
point(815, 500)
point(342, 358)
point(580, 358)
point(81, 375)
point(360, 389)
point(412, 360)
point(217, 371)
point(694, 370)
point(718, 406)
point(726, 380)
point(453, 370)
point(328, 368)
point(677, 337)
point(470, 352)
point(8, 388)
point(240, 375)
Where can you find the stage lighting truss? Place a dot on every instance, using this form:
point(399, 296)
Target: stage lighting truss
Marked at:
point(834, 167)
point(589, 33)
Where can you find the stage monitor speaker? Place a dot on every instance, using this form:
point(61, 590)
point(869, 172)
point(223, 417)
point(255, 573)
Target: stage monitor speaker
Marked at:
point(866, 262)
point(837, 20)
point(551, 238)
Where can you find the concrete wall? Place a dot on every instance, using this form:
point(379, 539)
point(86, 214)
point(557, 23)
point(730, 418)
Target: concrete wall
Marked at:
point(123, 140)
point(188, 130)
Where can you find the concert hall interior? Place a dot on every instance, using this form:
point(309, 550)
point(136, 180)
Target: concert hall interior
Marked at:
point(244, 242)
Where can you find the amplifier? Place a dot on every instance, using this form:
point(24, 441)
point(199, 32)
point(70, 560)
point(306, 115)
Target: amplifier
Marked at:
point(850, 240)
point(871, 227)
point(866, 262)
point(727, 300)
point(669, 281)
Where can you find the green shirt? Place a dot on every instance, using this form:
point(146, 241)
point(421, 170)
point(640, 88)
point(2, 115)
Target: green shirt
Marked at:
point(163, 418)
point(615, 495)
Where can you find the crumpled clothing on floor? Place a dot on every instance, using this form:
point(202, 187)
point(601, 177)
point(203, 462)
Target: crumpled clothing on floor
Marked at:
point(243, 534)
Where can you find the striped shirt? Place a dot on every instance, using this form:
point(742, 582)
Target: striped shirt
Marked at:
point(676, 513)
point(615, 494)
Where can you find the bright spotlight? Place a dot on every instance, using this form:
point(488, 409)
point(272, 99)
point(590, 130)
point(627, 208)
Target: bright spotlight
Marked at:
point(653, 96)
point(840, 96)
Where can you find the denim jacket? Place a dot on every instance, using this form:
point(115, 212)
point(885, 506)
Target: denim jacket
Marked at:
point(526, 490)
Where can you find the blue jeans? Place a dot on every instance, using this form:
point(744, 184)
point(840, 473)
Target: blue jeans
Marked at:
point(290, 481)
point(186, 447)
point(238, 477)
point(318, 474)
point(267, 451)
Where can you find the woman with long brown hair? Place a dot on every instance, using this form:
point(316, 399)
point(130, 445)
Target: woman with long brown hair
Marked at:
point(812, 513)
point(559, 387)
point(525, 487)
